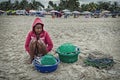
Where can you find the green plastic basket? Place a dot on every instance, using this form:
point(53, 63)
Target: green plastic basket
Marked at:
point(68, 53)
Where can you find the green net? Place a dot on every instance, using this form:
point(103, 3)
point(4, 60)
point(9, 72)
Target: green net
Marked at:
point(67, 48)
point(48, 60)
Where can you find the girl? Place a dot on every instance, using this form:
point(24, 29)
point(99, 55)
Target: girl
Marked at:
point(38, 41)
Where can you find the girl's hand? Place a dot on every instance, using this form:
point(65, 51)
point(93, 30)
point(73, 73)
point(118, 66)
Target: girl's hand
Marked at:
point(34, 39)
point(41, 42)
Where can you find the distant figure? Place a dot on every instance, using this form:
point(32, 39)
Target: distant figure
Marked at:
point(66, 15)
point(53, 15)
point(87, 16)
point(38, 41)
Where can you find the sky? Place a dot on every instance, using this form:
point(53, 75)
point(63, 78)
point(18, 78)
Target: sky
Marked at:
point(45, 2)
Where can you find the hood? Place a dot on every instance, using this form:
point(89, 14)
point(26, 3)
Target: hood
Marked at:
point(36, 21)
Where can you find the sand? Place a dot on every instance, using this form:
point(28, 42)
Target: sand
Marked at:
point(89, 34)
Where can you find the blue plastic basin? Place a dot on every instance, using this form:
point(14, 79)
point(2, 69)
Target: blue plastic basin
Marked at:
point(45, 68)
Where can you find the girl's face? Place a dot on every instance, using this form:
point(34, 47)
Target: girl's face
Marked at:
point(38, 28)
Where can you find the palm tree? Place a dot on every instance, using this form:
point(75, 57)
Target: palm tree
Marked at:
point(37, 5)
point(16, 5)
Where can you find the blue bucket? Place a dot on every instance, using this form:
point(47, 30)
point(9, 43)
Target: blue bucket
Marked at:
point(45, 68)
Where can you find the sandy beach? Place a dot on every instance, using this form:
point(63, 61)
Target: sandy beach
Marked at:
point(89, 34)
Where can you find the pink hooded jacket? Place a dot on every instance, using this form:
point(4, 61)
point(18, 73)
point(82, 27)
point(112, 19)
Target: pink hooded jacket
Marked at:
point(44, 36)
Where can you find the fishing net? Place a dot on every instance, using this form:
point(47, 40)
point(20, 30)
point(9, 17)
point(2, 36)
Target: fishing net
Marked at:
point(48, 60)
point(99, 60)
point(67, 48)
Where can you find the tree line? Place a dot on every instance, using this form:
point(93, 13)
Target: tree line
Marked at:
point(24, 4)
point(64, 4)
point(75, 5)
